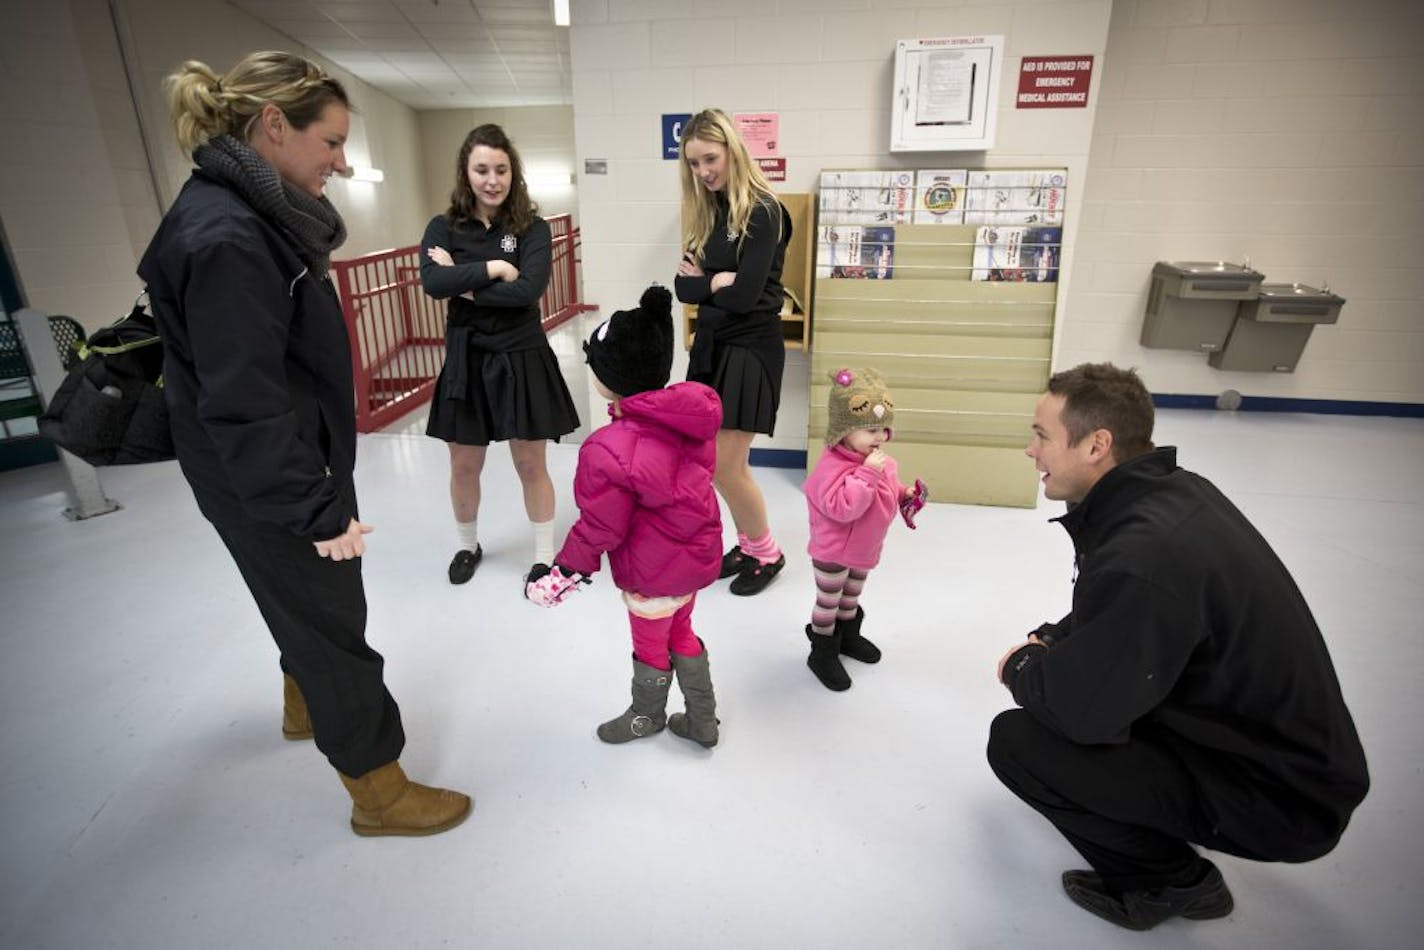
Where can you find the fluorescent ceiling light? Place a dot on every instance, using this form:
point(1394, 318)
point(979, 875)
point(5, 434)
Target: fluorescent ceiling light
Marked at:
point(561, 12)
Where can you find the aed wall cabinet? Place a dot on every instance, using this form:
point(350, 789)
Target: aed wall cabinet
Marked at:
point(1191, 305)
point(1271, 331)
point(946, 93)
point(795, 277)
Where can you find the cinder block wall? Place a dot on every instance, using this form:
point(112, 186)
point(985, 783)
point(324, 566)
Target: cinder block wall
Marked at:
point(1283, 130)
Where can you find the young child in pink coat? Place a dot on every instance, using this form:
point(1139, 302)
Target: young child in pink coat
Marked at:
point(853, 495)
point(645, 498)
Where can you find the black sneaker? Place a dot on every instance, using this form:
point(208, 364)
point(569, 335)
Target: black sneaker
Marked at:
point(539, 570)
point(1145, 909)
point(755, 576)
point(462, 567)
point(734, 561)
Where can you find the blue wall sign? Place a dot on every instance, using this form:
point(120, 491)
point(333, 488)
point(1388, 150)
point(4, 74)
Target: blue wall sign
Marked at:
point(672, 133)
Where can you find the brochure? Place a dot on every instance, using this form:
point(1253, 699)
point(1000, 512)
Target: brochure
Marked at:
point(867, 197)
point(1017, 254)
point(855, 252)
point(939, 195)
point(1015, 197)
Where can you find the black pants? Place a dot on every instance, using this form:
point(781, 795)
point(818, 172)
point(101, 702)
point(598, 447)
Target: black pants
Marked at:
point(1130, 809)
point(316, 611)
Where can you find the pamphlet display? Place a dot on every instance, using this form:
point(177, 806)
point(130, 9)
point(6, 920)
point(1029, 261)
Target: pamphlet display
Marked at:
point(948, 278)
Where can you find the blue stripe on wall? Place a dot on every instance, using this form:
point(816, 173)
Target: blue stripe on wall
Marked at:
point(779, 458)
point(792, 458)
point(1329, 407)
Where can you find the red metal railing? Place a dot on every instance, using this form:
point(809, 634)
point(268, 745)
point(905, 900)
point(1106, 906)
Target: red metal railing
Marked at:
point(398, 332)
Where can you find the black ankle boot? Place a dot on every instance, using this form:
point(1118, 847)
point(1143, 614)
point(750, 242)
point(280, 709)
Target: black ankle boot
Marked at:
point(825, 660)
point(853, 644)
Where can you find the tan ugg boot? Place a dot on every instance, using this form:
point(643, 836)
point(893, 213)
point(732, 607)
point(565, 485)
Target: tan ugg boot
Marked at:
point(385, 802)
point(296, 722)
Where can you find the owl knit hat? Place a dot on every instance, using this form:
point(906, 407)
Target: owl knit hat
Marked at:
point(631, 351)
point(859, 400)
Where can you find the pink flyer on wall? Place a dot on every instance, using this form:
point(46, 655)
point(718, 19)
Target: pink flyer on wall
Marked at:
point(761, 131)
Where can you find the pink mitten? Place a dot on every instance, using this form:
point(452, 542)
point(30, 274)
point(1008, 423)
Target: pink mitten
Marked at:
point(551, 589)
point(911, 504)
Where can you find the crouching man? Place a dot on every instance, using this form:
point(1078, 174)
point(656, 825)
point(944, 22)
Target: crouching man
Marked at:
point(1188, 697)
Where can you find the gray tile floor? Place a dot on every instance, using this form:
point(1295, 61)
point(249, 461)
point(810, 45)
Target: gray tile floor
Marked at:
point(149, 799)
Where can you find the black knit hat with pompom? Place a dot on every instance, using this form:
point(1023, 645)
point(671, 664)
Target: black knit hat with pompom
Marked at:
point(631, 351)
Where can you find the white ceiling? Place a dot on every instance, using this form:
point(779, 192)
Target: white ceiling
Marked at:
point(435, 54)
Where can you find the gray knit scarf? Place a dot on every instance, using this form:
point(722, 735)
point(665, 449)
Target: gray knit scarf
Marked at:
point(312, 222)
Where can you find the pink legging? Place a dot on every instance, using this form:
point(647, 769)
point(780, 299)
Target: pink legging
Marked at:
point(837, 594)
point(655, 640)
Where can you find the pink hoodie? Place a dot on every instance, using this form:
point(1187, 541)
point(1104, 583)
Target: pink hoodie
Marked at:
point(644, 492)
point(851, 506)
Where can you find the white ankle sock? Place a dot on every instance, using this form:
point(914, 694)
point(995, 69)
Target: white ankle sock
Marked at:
point(543, 541)
point(469, 538)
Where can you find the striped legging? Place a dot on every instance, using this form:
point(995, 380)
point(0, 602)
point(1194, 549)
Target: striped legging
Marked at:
point(837, 594)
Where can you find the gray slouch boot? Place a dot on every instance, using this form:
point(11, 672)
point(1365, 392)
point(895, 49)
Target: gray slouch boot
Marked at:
point(648, 714)
point(699, 723)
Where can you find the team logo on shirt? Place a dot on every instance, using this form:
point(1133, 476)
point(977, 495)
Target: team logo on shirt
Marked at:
point(731, 234)
point(507, 244)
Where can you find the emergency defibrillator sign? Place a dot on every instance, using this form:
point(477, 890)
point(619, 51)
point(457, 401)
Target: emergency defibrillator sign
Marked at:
point(1054, 82)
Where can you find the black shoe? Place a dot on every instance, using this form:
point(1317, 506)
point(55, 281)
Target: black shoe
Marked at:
point(755, 576)
point(825, 660)
point(1145, 909)
point(853, 644)
point(733, 562)
point(537, 571)
point(462, 568)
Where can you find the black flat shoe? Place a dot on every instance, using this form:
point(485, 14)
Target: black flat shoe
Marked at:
point(734, 561)
point(1208, 898)
point(462, 567)
point(539, 570)
point(754, 578)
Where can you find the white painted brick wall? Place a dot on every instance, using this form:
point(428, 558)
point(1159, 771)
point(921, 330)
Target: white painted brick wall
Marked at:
point(826, 67)
point(1286, 131)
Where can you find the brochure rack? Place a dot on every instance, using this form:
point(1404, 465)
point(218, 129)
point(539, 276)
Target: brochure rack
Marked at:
point(957, 314)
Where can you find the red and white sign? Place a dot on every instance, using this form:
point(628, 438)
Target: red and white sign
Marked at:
point(773, 168)
point(1054, 82)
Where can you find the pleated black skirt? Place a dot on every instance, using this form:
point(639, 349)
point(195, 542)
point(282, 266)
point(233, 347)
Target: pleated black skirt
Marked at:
point(536, 405)
point(750, 394)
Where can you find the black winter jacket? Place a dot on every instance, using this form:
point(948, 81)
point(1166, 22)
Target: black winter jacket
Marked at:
point(257, 367)
point(1187, 629)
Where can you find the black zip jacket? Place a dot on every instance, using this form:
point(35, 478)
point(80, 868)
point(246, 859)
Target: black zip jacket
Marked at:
point(748, 312)
point(1187, 629)
point(256, 369)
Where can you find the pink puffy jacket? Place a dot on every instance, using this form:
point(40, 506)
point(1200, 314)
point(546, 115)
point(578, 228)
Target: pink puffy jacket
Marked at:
point(851, 507)
point(644, 493)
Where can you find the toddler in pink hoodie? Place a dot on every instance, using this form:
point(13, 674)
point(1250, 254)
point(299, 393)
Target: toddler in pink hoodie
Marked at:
point(644, 494)
point(853, 495)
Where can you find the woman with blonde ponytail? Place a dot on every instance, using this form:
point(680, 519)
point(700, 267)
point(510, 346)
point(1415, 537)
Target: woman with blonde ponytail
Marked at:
point(734, 243)
point(257, 377)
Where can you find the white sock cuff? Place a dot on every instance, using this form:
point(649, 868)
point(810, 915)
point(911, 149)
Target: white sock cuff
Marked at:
point(543, 541)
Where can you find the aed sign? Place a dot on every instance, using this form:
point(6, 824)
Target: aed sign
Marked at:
point(1054, 82)
point(673, 124)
